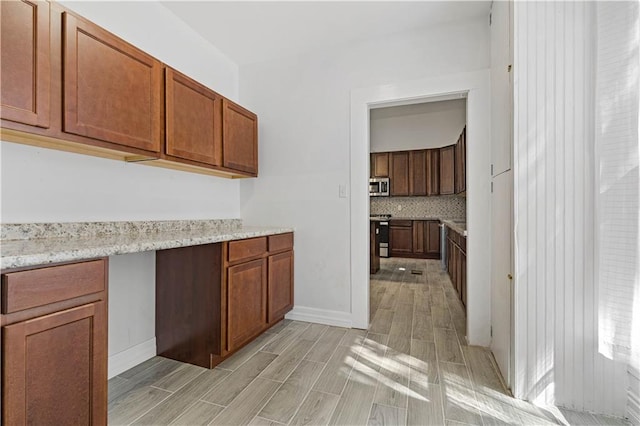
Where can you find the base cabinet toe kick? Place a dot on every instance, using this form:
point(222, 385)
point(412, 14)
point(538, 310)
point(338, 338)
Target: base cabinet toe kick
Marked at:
point(211, 300)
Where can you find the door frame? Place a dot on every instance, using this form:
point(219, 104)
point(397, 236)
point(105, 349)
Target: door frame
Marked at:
point(476, 87)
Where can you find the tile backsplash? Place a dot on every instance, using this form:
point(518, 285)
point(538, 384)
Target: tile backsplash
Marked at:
point(449, 207)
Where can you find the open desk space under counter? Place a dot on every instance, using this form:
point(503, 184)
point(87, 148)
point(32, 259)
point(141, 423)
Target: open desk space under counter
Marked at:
point(218, 286)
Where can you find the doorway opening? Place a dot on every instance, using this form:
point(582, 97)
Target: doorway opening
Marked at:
point(418, 223)
point(475, 86)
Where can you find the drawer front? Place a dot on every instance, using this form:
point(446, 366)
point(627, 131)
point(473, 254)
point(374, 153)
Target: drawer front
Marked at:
point(281, 242)
point(247, 249)
point(403, 223)
point(38, 287)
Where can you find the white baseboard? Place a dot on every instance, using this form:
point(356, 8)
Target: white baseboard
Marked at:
point(122, 361)
point(633, 397)
point(320, 316)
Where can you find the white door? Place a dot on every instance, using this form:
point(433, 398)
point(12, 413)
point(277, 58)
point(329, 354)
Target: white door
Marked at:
point(501, 272)
point(501, 87)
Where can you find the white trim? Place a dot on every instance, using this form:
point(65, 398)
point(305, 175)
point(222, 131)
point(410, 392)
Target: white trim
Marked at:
point(633, 408)
point(633, 396)
point(122, 361)
point(476, 85)
point(320, 316)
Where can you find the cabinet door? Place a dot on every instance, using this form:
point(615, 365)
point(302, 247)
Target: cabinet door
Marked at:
point(460, 164)
point(112, 91)
point(418, 237)
point(433, 174)
point(55, 368)
point(239, 138)
point(246, 302)
point(280, 285)
point(193, 120)
point(447, 170)
point(463, 161)
point(400, 240)
point(450, 258)
point(418, 170)
point(501, 87)
point(458, 271)
point(399, 174)
point(25, 62)
point(380, 164)
point(432, 237)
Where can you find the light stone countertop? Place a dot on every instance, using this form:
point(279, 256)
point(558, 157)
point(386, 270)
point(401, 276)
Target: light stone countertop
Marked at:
point(62, 248)
point(458, 226)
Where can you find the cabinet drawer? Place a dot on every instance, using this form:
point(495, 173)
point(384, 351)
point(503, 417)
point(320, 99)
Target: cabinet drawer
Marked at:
point(37, 287)
point(280, 242)
point(403, 223)
point(246, 249)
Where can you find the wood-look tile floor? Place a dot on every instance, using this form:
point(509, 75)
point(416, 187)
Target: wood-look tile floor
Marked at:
point(412, 367)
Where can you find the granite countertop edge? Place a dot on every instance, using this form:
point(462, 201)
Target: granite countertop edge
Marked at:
point(23, 253)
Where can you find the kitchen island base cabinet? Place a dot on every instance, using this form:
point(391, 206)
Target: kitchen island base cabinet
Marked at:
point(54, 344)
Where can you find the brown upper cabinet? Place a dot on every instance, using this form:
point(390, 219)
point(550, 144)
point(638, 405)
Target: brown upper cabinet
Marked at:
point(193, 120)
point(68, 84)
point(425, 172)
point(418, 171)
point(433, 175)
point(461, 154)
point(399, 173)
point(112, 91)
point(379, 164)
point(447, 170)
point(239, 138)
point(25, 58)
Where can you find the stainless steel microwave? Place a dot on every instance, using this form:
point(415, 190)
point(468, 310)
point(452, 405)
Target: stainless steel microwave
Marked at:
point(379, 187)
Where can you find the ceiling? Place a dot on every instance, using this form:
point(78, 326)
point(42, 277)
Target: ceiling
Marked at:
point(256, 31)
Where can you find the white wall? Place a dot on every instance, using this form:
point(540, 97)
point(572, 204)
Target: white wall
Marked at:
point(40, 185)
point(556, 347)
point(417, 126)
point(304, 108)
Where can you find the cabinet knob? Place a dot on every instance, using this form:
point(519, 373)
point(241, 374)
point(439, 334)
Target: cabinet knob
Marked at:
point(510, 276)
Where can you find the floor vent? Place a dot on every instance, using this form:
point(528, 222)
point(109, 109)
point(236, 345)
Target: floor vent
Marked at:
point(416, 272)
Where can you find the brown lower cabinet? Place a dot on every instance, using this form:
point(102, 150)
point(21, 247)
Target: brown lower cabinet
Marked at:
point(414, 238)
point(54, 344)
point(246, 302)
point(213, 299)
point(457, 263)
